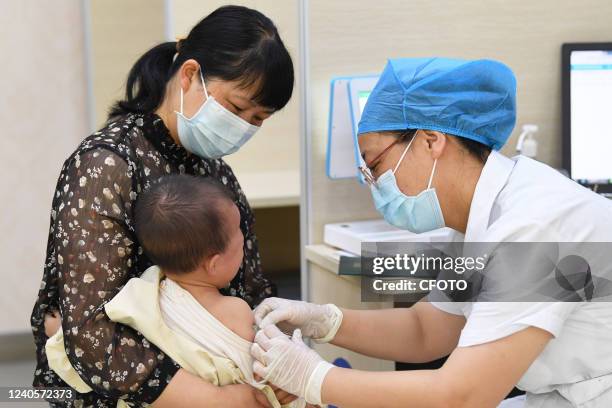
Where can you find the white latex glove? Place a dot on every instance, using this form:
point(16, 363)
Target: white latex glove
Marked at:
point(319, 322)
point(288, 363)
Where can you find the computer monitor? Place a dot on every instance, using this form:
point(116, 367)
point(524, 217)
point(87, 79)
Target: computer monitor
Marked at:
point(359, 89)
point(587, 113)
point(362, 98)
point(348, 96)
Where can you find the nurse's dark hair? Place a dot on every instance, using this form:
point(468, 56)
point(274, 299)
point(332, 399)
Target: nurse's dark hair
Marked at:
point(181, 220)
point(233, 43)
point(476, 149)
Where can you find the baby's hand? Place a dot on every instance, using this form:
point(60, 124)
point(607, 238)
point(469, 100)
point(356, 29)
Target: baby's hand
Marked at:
point(282, 396)
point(53, 321)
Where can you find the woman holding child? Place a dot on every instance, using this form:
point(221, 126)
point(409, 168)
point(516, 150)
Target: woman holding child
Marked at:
point(188, 104)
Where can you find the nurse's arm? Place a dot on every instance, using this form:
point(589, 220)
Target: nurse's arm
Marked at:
point(476, 376)
point(417, 334)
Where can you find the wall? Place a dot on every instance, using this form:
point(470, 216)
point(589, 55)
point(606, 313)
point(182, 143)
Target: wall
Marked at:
point(349, 37)
point(43, 114)
point(121, 31)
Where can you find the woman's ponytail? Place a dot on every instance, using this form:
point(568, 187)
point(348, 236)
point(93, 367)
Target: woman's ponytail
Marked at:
point(146, 82)
point(233, 43)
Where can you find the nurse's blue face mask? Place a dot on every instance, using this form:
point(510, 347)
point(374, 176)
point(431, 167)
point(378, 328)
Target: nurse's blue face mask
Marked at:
point(418, 214)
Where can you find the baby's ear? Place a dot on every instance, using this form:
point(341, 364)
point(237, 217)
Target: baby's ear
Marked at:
point(211, 264)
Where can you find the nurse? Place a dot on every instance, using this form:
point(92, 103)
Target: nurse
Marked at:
point(430, 135)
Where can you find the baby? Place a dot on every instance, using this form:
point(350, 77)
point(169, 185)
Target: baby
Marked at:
point(190, 228)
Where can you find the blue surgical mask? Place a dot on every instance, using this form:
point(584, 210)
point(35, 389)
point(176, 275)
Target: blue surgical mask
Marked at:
point(214, 131)
point(418, 214)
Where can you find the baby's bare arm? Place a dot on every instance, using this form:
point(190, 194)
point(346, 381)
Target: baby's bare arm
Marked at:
point(236, 315)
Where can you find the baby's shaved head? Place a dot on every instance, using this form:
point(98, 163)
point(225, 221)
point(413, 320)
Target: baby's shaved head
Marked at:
point(180, 221)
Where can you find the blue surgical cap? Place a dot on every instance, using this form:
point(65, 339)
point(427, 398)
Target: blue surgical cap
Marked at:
point(471, 99)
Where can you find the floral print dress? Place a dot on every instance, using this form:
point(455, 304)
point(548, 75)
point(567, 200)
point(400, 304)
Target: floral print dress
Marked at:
point(92, 251)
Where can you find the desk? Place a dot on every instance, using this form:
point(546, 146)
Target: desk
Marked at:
point(328, 286)
point(268, 189)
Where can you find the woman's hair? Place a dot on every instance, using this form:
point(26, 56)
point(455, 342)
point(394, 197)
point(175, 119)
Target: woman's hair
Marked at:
point(233, 43)
point(476, 149)
point(180, 221)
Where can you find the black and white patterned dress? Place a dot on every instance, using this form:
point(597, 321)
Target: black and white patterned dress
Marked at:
point(92, 251)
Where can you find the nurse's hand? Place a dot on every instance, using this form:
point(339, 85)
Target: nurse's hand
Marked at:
point(319, 322)
point(289, 363)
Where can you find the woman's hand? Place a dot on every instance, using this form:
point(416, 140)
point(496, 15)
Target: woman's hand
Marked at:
point(188, 390)
point(319, 322)
point(281, 395)
point(53, 321)
point(289, 363)
point(243, 395)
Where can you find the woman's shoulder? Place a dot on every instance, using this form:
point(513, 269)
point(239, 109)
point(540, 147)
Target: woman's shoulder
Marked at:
point(115, 143)
point(107, 154)
point(117, 136)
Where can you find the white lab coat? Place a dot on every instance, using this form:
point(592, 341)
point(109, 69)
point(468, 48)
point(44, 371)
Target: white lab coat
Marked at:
point(522, 200)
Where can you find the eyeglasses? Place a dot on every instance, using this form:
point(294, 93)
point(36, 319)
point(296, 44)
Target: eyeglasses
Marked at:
point(365, 169)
